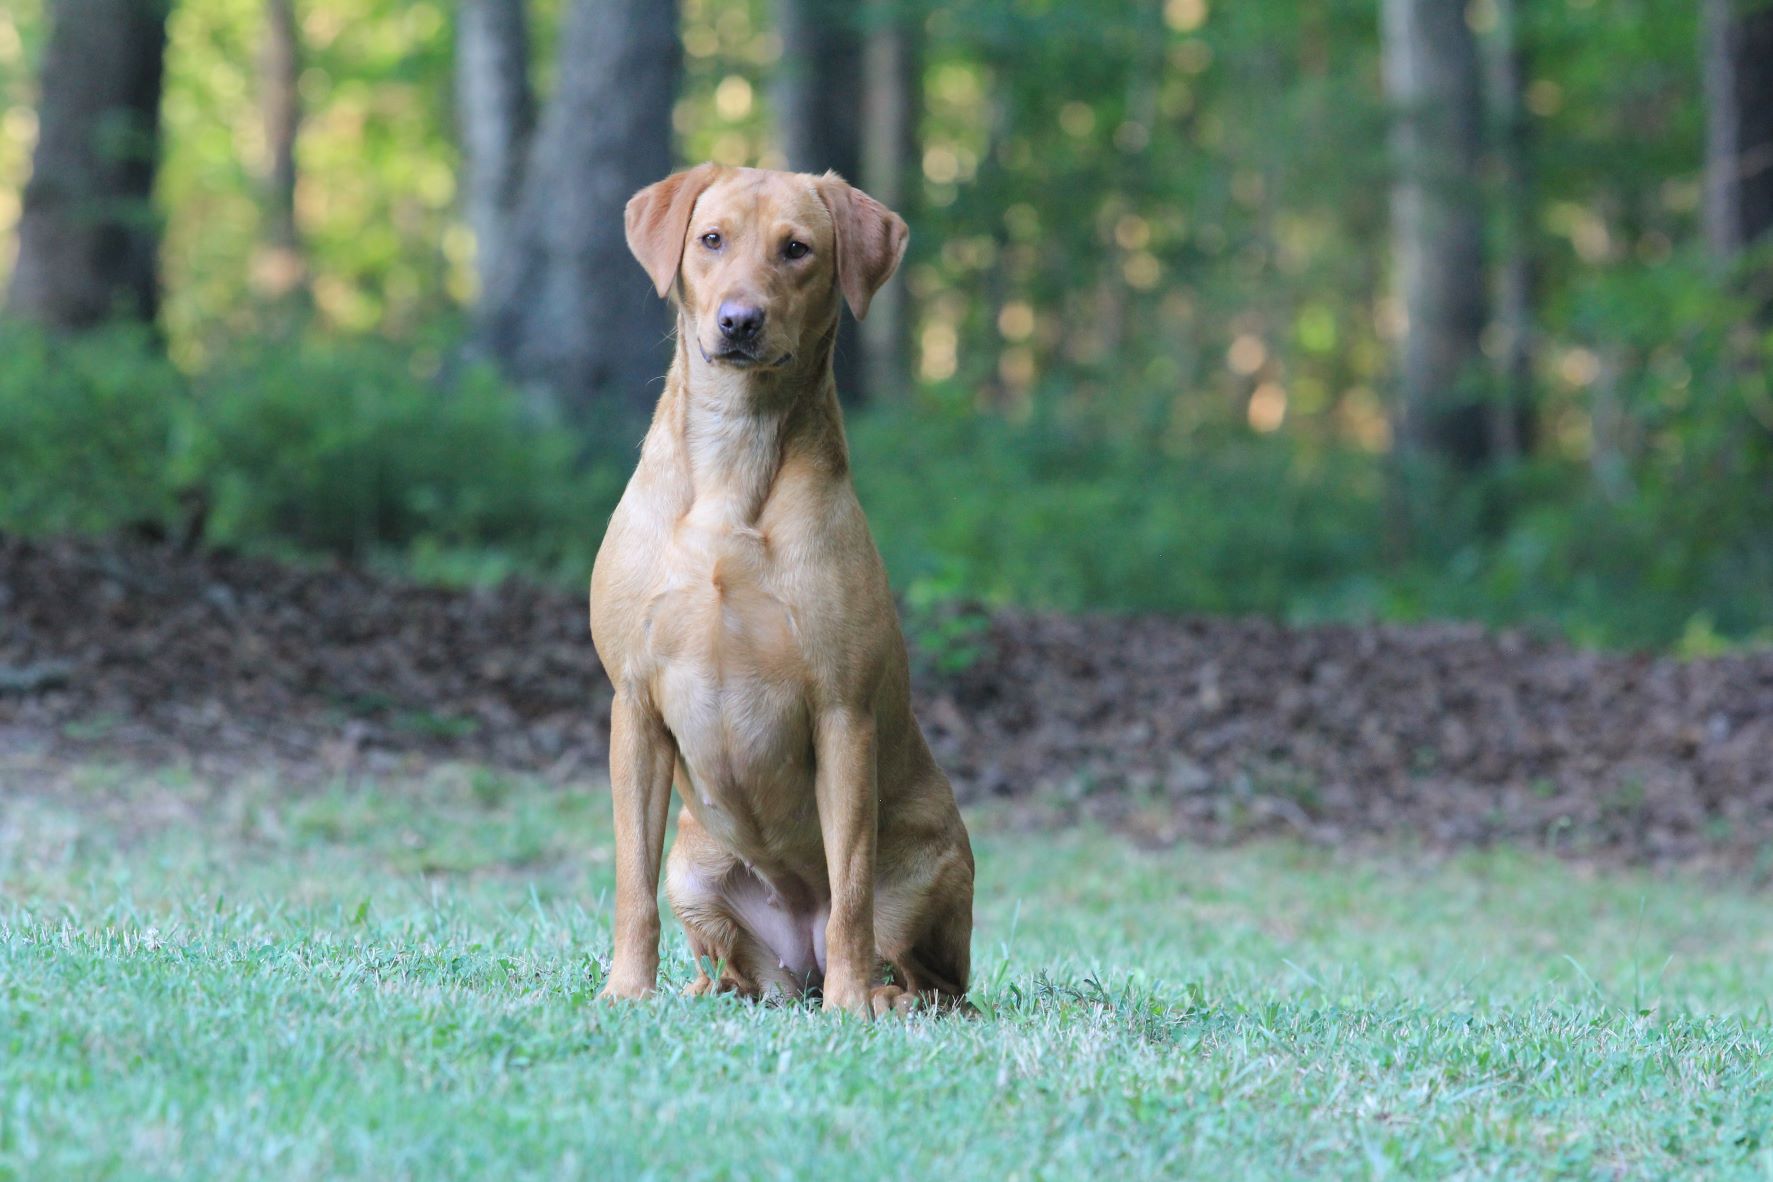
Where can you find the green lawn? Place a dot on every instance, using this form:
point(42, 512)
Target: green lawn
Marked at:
point(397, 981)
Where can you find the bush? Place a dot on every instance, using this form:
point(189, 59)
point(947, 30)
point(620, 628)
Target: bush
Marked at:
point(339, 448)
point(1036, 515)
point(92, 429)
point(969, 508)
point(347, 449)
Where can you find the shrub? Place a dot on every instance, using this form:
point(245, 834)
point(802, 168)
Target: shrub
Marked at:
point(1033, 514)
point(969, 508)
point(90, 429)
point(348, 449)
point(342, 447)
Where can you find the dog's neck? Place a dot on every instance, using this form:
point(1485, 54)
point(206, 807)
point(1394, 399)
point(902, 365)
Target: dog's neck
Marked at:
point(737, 428)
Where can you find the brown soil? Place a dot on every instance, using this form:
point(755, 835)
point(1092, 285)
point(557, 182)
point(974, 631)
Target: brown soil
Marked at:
point(1174, 728)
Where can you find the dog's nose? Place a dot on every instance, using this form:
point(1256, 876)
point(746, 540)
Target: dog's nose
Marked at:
point(740, 323)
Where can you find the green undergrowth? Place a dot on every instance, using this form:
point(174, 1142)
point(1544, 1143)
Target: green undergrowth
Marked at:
point(374, 452)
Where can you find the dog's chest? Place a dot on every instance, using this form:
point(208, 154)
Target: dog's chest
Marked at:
point(718, 608)
point(726, 666)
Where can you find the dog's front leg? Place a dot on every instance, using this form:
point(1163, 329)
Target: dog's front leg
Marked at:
point(848, 803)
point(641, 762)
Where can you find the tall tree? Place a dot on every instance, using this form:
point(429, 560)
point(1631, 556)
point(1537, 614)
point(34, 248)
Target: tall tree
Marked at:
point(817, 96)
point(1738, 68)
point(1432, 80)
point(282, 102)
point(892, 109)
point(495, 114)
point(1517, 279)
point(565, 310)
point(88, 238)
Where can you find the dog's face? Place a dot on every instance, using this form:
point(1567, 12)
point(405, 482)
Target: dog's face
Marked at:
point(759, 269)
point(758, 259)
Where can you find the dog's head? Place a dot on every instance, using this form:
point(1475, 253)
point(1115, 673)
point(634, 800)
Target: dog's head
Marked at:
point(757, 259)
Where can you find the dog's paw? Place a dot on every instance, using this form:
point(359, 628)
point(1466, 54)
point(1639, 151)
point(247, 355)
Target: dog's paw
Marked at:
point(875, 1001)
point(706, 986)
point(890, 999)
point(626, 989)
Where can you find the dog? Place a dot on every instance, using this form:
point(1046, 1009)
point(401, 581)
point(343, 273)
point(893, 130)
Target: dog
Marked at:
point(743, 615)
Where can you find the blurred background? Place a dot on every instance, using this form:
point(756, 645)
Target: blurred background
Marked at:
point(1328, 309)
point(1345, 424)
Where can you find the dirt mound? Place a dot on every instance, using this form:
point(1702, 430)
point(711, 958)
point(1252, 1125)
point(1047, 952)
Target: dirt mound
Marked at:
point(1202, 728)
point(1214, 727)
point(157, 655)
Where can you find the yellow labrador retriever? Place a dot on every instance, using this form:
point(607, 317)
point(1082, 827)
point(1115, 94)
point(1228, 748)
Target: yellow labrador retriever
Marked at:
point(743, 615)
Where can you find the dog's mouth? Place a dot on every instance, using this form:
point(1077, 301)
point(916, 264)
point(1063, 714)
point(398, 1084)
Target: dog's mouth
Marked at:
point(744, 359)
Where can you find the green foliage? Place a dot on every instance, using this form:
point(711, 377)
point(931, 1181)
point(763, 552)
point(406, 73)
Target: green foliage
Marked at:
point(377, 159)
point(397, 979)
point(1543, 547)
point(1041, 515)
point(333, 447)
point(352, 448)
point(971, 508)
point(944, 628)
point(88, 431)
point(1150, 309)
point(348, 449)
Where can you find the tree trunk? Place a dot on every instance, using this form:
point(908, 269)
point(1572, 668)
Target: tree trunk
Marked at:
point(892, 109)
point(818, 108)
point(1511, 420)
point(495, 110)
point(1738, 51)
point(566, 310)
point(1432, 81)
point(284, 272)
point(88, 237)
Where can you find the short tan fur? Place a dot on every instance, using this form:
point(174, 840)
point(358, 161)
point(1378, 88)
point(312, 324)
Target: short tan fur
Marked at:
point(743, 615)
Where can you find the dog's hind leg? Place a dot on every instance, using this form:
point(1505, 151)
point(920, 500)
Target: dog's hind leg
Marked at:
point(926, 934)
point(711, 894)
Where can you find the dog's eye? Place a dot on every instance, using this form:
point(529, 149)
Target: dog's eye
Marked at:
point(796, 249)
point(711, 240)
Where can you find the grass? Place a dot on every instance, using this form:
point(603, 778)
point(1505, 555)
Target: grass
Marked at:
point(396, 980)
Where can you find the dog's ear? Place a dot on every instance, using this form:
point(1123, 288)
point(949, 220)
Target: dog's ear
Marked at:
point(657, 221)
point(871, 240)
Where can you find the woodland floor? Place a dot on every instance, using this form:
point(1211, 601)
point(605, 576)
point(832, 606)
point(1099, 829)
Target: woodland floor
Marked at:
point(1170, 729)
